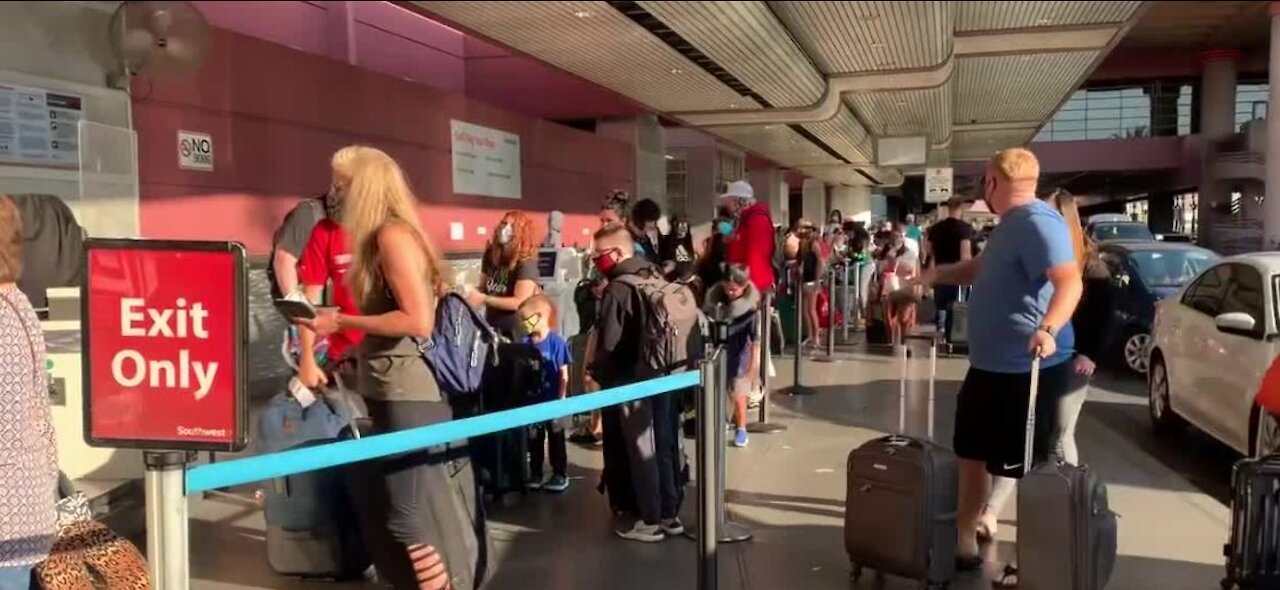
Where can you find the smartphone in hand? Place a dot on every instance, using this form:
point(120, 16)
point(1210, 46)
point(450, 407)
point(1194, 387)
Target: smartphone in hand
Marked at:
point(296, 308)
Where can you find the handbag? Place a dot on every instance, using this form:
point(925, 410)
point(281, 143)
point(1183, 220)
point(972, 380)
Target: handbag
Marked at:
point(86, 555)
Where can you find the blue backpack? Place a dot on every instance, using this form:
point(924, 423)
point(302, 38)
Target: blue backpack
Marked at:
point(459, 350)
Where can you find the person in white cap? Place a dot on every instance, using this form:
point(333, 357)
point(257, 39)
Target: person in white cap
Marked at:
point(751, 243)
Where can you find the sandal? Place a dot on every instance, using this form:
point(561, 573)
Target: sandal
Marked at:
point(1009, 571)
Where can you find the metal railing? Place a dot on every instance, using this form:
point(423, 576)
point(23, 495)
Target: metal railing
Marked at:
point(169, 482)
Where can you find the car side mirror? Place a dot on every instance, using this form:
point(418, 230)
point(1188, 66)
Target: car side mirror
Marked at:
point(1236, 322)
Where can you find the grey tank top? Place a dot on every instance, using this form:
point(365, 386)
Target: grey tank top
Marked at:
point(391, 369)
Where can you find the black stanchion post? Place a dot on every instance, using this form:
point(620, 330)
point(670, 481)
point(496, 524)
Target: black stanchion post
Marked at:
point(708, 578)
point(797, 294)
point(763, 426)
point(846, 304)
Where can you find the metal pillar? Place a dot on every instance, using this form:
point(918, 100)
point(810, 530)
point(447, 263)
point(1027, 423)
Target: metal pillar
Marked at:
point(166, 507)
point(798, 387)
point(830, 356)
point(845, 304)
point(763, 426)
point(708, 567)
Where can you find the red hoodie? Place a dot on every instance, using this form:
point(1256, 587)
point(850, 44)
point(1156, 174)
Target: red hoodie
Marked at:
point(752, 245)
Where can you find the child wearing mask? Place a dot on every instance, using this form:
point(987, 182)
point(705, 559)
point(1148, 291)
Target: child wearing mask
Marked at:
point(537, 315)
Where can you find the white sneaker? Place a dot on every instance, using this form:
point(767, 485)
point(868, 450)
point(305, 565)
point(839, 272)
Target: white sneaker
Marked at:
point(672, 527)
point(645, 533)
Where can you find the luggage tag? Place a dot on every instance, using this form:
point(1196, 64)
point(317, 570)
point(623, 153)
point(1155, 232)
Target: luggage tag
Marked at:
point(301, 392)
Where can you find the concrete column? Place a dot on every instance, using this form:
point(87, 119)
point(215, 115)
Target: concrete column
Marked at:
point(854, 202)
point(814, 200)
point(1218, 96)
point(1271, 203)
point(1217, 121)
point(645, 133)
point(341, 29)
point(770, 185)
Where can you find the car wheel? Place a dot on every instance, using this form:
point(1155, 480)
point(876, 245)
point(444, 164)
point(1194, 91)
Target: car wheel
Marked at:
point(1163, 419)
point(1136, 350)
point(1266, 433)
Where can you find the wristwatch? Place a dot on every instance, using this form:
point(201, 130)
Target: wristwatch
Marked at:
point(1050, 330)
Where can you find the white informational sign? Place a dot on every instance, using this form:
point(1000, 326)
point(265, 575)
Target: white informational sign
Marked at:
point(38, 127)
point(195, 151)
point(937, 185)
point(486, 161)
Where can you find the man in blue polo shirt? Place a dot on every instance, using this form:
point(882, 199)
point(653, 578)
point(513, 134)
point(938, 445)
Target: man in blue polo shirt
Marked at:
point(1026, 285)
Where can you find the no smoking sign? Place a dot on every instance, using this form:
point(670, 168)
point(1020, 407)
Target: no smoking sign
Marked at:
point(195, 151)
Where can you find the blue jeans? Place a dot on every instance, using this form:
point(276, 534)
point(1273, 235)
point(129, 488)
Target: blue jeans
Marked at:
point(15, 578)
point(944, 296)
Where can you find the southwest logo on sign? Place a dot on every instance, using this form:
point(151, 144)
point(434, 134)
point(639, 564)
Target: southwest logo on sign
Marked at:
point(162, 333)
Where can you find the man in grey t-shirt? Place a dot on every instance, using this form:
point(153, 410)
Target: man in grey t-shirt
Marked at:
point(289, 241)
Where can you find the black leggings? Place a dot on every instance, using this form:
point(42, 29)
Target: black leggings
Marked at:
point(425, 497)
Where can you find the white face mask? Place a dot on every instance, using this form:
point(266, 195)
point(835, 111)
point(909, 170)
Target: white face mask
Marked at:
point(505, 234)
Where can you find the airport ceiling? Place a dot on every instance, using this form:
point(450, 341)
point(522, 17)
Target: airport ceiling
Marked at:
point(814, 85)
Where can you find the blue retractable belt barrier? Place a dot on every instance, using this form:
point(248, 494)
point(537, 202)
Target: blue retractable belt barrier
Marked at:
point(241, 471)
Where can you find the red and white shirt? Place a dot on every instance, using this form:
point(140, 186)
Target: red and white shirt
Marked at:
point(326, 259)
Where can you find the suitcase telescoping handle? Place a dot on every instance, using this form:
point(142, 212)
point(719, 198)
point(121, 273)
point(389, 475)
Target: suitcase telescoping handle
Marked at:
point(1029, 447)
point(902, 383)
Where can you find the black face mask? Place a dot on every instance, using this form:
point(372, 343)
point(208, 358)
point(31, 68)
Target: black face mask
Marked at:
point(333, 204)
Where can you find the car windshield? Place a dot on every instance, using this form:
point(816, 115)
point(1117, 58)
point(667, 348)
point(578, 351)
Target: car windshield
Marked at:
point(1169, 268)
point(1106, 232)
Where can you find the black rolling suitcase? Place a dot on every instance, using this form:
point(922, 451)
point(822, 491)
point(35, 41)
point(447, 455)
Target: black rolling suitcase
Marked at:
point(501, 459)
point(900, 507)
point(1253, 552)
point(1066, 529)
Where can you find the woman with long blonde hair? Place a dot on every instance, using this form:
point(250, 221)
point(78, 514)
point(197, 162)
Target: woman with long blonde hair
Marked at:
point(412, 505)
point(509, 272)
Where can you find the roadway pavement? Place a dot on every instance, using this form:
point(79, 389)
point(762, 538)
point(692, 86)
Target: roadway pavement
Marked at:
point(790, 489)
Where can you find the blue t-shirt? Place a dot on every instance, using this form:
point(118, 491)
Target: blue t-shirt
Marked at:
point(1012, 291)
point(555, 355)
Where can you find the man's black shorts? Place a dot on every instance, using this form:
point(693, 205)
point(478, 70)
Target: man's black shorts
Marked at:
point(991, 417)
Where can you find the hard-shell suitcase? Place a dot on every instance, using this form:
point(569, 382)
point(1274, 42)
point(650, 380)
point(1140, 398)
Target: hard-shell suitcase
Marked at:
point(1066, 529)
point(1253, 551)
point(900, 508)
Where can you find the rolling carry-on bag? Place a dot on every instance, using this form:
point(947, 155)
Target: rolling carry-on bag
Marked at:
point(1253, 552)
point(312, 531)
point(900, 508)
point(501, 459)
point(1066, 529)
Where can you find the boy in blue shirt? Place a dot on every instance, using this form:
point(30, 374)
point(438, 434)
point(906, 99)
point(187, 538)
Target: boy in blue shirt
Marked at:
point(536, 314)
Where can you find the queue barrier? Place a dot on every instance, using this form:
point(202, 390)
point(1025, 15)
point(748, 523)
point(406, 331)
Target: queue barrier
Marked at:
point(170, 481)
point(224, 474)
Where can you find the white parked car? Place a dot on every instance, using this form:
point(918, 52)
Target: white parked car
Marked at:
point(1211, 344)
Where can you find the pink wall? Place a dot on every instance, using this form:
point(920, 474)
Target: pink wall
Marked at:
point(387, 38)
point(276, 115)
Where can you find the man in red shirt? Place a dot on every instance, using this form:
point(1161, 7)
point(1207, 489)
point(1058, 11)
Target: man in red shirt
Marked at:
point(326, 260)
point(751, 243)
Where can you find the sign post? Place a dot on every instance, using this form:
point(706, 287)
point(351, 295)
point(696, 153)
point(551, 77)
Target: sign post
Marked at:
point(165, 337)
